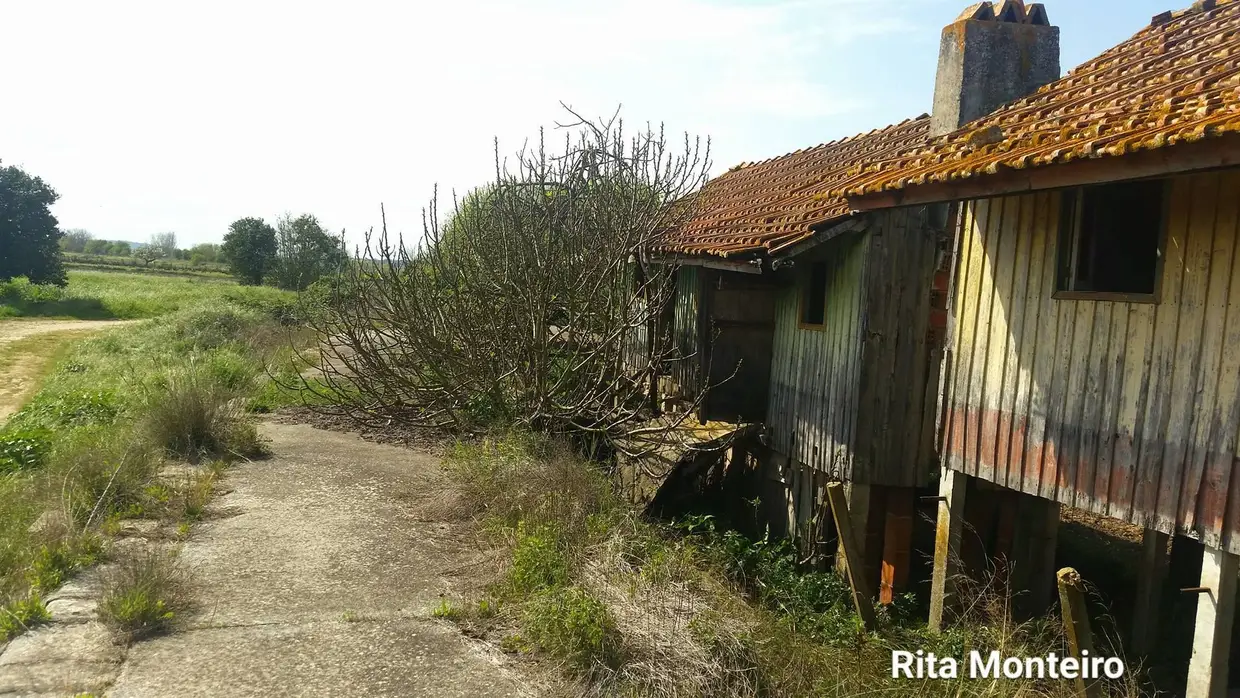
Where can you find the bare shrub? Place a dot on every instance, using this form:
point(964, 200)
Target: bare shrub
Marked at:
point(533, 304)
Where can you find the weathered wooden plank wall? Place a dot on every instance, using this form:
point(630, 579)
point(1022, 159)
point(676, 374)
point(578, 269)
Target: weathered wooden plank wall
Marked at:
point(1127, 409)
point(898, 392)
point(815, 373)
point(686, 332)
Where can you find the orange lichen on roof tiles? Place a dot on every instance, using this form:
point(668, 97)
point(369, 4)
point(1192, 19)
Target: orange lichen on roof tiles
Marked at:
point(1176, 81)
point(767, 206)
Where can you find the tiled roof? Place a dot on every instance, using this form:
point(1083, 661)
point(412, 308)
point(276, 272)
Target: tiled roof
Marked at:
point(769, 205)
point(1176, 81)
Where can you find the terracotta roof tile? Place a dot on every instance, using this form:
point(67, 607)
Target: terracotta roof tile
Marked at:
point(769, 205)
point(1176, 81)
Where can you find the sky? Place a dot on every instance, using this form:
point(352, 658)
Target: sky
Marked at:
point(177, 116)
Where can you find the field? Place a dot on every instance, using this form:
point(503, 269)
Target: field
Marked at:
point(166, 266)
point(114, 295)
point(89, 444)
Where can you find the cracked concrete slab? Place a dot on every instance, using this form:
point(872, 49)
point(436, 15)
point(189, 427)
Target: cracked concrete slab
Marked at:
point(60, 660)
point(332, 527)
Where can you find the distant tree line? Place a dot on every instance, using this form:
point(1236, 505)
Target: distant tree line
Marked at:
point(293, 254)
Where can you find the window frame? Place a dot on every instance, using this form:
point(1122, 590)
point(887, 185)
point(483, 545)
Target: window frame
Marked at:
point(803, 290)
point(1068, 243)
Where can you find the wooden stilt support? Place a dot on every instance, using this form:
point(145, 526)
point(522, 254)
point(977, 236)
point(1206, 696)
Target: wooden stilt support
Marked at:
point(897, 543)
point(1044, 538)
point(1216, 607)
point(848, 541)
point(1150, 576)
point(1076, 626)
point(857, 497)
point(948, 533)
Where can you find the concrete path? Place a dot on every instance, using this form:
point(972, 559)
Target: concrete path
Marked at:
point(316, 575)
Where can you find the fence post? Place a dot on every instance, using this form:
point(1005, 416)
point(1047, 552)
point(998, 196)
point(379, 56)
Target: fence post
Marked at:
point(1076, 625)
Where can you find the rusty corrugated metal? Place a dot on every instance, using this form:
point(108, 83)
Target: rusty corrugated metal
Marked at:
point(1128, 409)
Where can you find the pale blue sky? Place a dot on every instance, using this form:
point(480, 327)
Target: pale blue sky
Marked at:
point(152, 116)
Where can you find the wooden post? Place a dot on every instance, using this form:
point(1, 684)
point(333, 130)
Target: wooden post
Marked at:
point(848, 541)
point(857, 497)
point(1044, 535)
point(1150, 576)
point(947, 537)
point(897, 543)
point(1076, 625)
point(1216, 607)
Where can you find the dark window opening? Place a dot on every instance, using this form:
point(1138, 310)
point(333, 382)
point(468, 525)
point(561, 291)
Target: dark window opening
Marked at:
point(814, 295)
point(1109, 238)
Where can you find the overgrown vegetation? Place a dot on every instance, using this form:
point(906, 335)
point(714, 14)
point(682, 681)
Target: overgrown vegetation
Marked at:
point(90, 448)
point(634, 607)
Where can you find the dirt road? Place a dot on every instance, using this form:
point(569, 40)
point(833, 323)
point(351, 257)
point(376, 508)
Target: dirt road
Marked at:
point(26, 347)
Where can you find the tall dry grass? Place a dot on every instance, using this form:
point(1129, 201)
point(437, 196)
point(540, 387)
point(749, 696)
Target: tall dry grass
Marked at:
point(636, 608)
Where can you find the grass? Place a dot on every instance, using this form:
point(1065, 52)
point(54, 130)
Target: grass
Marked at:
point(111, 295)
point(87, 449)
point(144, 595)
point(633, 607)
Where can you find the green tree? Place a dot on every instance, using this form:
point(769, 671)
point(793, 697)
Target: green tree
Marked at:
point(96, 247)
point(119, 249)
point(250, 249)
point(29, 236)
point(305, 252)
point(204, 253)
point(76, 240)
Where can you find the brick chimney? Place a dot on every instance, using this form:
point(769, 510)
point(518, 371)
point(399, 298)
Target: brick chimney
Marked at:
point(992, 54)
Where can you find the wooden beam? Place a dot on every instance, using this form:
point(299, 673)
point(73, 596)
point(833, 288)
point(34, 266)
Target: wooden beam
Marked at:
point(1216, 608)
point(1203, 155)
point(1076, 626)
point(1151, 573)
point(1044, 541)
point(857, 497)
point(948, 533)
point(782, 257)
point(848, 539)
point(897, 543)
point(753, 266)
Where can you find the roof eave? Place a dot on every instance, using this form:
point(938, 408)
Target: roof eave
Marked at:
point(1206, 154)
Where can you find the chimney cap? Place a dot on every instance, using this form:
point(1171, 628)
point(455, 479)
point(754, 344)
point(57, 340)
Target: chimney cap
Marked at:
point(979, 10)
point(1010, 11)
point(1036, 14)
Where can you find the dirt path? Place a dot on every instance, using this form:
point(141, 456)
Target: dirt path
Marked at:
point(26, 347)
point(317, 575)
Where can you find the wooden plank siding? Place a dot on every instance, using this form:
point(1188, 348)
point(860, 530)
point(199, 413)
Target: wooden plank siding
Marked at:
point(1127, 409)
point(686, 329)
point(856, 398)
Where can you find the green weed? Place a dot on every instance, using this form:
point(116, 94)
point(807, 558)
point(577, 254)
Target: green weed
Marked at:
point(569, 623)
point(447, 610)
point(18, 616)
point(143, 595)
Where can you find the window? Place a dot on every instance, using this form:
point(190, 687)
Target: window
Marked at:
point(814, 295)
point(1109, 238)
